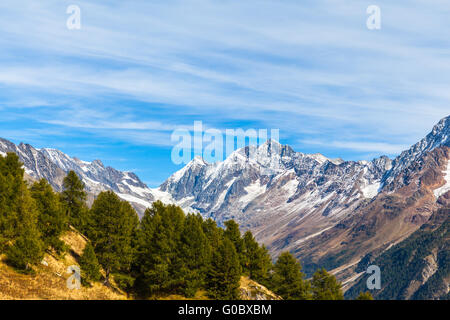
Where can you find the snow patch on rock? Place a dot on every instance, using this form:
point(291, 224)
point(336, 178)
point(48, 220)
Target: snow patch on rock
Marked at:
point(132, 199)
point(371, 190)
point(446, 187)
point(253, 191)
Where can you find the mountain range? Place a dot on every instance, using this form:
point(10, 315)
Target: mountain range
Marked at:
point(328, 212)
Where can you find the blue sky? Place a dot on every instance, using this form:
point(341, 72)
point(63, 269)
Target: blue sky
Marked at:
point(137, 70)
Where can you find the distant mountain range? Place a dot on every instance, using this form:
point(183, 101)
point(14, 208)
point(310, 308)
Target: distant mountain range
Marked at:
point(328, 212)
point(54, 165)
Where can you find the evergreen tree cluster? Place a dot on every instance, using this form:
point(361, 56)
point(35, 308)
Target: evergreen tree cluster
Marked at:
point(288, 281)
point(33, 217)
point(26, 226)
point(182, 254)
point(166, 252)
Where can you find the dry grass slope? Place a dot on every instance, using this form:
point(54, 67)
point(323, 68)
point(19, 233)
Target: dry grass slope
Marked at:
point(50, 279)
point(251, 290)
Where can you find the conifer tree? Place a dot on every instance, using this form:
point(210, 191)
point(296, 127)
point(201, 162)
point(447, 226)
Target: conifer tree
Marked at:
point(263, 267)
point(125, 282)
point(233, 233)
point(173, 222)
point(28, 247)
point(19, 234)
point(26, 250)
point(365, 296)
point(287, 279)
point(195, 253)
point(12, 189)
point(153, 253)
point(257, 262)
point(51, 218)
point(90, 268)
point(223, 279)
point(74, 199)
point(250, 248)
point(213, 233)
point(113, 223)
point(159, 258)
point(325, 286)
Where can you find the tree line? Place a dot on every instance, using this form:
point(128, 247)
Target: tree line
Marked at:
point(166, 252)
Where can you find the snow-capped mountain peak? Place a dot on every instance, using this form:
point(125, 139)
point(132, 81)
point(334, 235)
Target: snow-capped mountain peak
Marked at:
point(251, 183)
point(53, 165)
point(240, 185)
point(259, 181)
point(439, 136)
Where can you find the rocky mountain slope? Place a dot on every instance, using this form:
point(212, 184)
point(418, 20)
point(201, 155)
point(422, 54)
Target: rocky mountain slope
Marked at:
point(416, 268)
point(385, 220)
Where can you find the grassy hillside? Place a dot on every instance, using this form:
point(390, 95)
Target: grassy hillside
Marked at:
point(48, 280)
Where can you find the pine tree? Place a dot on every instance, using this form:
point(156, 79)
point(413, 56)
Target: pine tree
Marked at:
point(233, 233)
point(19, 234)
point(223, 279)
point(195, 253)
point(325, 286)
point(257, 262)
point(287, 279)
point(124, 282)
point(173, 221)
point(90, 268)
point(153, 253)
point(113, 223)
point(26, 250)
point(365, 296)
point(74, 199)
point(263, 266)
point(51, 218)
point(159, 260)
point(213, 233)
point(11, 190)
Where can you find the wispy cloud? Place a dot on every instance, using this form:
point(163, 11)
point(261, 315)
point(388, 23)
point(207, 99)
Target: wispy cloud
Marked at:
point(373, 147)
point(138, 69)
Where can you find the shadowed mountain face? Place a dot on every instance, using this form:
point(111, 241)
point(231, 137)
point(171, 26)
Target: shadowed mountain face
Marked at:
point(416, 268)
point(327, 212)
